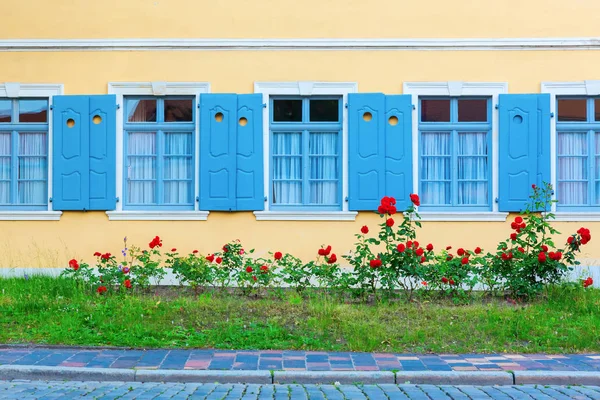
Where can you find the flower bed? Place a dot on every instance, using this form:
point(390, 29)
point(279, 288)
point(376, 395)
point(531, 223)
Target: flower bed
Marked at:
point(389, 262)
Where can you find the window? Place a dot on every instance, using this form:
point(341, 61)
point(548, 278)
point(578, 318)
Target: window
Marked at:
point(24, 154)
point(159, 152)
point(305, 145)
point(578, 152)
point(455, 153)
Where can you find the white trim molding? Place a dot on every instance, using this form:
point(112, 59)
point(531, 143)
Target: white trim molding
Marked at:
point(398, 44)
point(464, 216)
point(456, 88)
point(30, 215)
point(304, 88)
point(575, 88)
point(157, 215)
point(305, 215)
point(158, 88)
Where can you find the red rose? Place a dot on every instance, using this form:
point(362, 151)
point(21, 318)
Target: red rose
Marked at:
point(210, 258)
point(74, 264)
point(249, 269)
point(332, 259)
point(513, 236)
point(557, 256)
point(423, 259)
point(97, 254)
point(364, 229)
point(241, 251)
point(514, 225)
point(225, 248)
point(570, 239)
point(101, 289)
point(264, 269)
point(429, 247)
point(452, 281)
point(173, 250)
point(127, 283)
point(448, 247)
point(382, 210)
point(444, 280)
point(218, 260)
point(419, 251)
point(505, 256)
point(409, 244)
point(195, 252)
point(522, 250)
point(519, 220)
point(533, 186)
point(416, 244)
point(277, 255)
point(542, 257)
point(544, 247)
point(522, 226)
point(390, 222)
point(376, 263)
point(460, 252)
point(401, 248)
point(327, 250)
point(156, 242)
point(588, 282)
point(254, 278)
point(464, 261)
point(450, 257)
point(477, 250)
point(105, 256)
point(424, 283)
point(126, 270)
point(415, 199)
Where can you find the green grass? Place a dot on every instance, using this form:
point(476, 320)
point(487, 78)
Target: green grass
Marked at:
point(54, 311)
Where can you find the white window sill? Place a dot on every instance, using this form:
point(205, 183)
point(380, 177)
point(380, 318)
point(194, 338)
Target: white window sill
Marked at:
point(305, 215)
point(576, 216)
point(30, 215)
point(157, 215)
point(463, 216)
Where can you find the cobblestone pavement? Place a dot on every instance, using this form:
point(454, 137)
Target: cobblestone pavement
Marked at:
point(295, 360)
point(118, 390)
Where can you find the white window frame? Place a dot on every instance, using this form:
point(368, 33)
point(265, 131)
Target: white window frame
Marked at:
point(305, 88)
point(122, 89)
point(14, 90)
point(576, 88)
point(458, 88)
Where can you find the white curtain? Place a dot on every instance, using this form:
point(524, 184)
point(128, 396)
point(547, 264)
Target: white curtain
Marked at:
point(287, 168)
point(5, 167)
point(472, 160)
point(572, 161)
point(178, 168)
point(141, 174)
point(32, 168)
point(436, 170)
point(323, 168)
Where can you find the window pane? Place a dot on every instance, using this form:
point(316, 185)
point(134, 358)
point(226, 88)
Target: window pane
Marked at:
point(141, 110)
point(324, 193)
point(32, 164)
point(178, 168)
point(472, 157)
point(5, 169)
point(287, 110)
point(141, 168)
point(141, 143)
point(473, 110)
point(572, 168)
point(435, 110)
point(33, 111)
point(5, 110)
point(178, 143)
point(32, 192)
point(436, 168)
point(572, 110)
point(179, 110)
point(287, 168)
point(597, 109)
point(287, 143)
point(324, 110)
point(287, 192)
point(572, 143)
point(572, 193)
point(32, 144)
point(5, 144)
point(324, 171)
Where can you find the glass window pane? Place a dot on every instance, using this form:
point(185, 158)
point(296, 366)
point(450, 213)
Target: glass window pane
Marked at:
point(32, 192)
point(5, 144)
point(287, 192)
point(141, 110)
point(178, 192)
point(32, 144)
point(32, 168)
point(141, 192)
point(33, 111)
point(435, 193)
point(324, 193)
point(572, 193)
point(178, 143)
point(179, 110)
point(473, 193)
point(572, 110)
point(287, 143)
point(141, 143)
point(5, 110)
point(287, 110)
point(472, 110)
point(572, 144)
point(435, 110)
point(4, 191)
point(323, 143)
point(5, 167)
point(324, 111)
point(597, 109)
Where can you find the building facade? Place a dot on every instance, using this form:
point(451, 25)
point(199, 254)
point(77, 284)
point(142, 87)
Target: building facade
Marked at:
point(282, 123)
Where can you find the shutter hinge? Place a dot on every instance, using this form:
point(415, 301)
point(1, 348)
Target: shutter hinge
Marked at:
point(266, 198)
point(197, 199)
point(346, 199)
point(118, 106)
point(551, 115)
point(346, 105)
point(52, 107)
point(50, 200)
point(496, 199)
point(198, 106)
point(264, 105)
point(117, 199)
point(496, 106)
point(413, 106)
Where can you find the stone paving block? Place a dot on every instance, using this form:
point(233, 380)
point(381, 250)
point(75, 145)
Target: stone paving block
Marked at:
point(33, 372)
point(557, 377)
point(454, 377)
point(328, 377)
point(263, 377)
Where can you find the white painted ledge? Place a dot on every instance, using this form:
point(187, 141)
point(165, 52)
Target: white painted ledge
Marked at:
point(157, 215)
point(30, 215)
point(576, 216)
point(305, 215)
point(464, 216)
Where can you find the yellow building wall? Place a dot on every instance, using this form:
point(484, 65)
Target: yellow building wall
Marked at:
point(79, 234)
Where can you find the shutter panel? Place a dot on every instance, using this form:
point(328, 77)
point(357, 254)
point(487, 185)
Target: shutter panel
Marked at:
point(249, 153)
point(366, 150)
point(70, 153)
point(398, 149)
point(523, 147)
point(218, 122)
point(103, 135)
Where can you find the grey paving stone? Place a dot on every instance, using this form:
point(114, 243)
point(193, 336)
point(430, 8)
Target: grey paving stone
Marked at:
point(454, 377)
point(393, 391)
point(329, 377)
point(557, 378)
point(474, 392)
point(493, 392)
point(414, 392)
point(203, 376)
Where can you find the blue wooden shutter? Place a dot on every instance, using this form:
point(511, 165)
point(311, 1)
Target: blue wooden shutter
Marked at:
point(523, 147)
point(249, 153)
point(70, 153)
point(366, 150)
point(103, 134)
point(218, 122)
point(398, 149)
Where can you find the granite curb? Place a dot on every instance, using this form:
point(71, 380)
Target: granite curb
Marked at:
point(482, 378)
